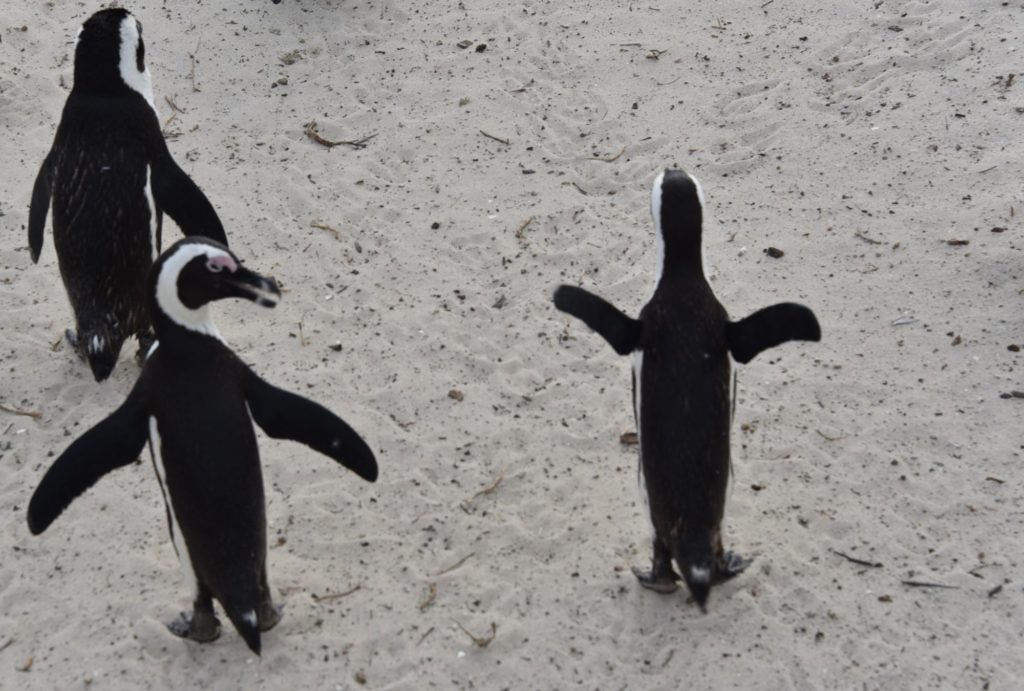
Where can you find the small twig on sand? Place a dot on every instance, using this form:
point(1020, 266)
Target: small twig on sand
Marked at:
point(6, 644)
point(522, 227)
point(457, 564)
point(866, 239)
point(480, 642)
point(582, 191)
point(27, 413)
point(855, 560)
point(610, 159)
point(429, 599)
point(324, 226)
point(192, 74)
point(995, 591)
point(826, 437)
point(925, 584)
point(495, 138)
point(336, 596)
point(314, 134)
point(424, 636)
point(485, 491)
point(302, 338)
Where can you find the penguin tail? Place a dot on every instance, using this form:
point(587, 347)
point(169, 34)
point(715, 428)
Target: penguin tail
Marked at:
point(246, 622)
point(100, 348)
point(695, 561)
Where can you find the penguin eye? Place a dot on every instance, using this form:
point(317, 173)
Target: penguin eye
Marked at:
point(214, 267)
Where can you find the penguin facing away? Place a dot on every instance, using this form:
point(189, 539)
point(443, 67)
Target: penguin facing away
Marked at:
point(194, 404)
point(111, 177)
point(680, 347)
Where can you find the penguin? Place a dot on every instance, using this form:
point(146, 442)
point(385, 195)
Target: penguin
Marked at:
point(194, 405)
point(110, 178)
point(680, 347)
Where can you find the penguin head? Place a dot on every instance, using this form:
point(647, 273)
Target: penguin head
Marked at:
point(196, 271)
point(110, 55)
point(677, 207)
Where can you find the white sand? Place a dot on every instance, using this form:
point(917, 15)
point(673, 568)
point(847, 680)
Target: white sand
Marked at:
point(807, 127)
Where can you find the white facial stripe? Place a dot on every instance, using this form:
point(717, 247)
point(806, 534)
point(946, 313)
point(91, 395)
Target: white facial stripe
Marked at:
point(700, 574)
point(78, 37)
point(137, 81)
point(703, 250)
point(177, 540)
point(700, 191)
point(250, 617)
point(167, 290)
point(656, 215)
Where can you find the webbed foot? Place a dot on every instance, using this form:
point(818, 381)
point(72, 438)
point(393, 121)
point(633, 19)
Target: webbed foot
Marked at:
point(202, 628)
point(662, 582)
point(269, 615)
point(730, 564)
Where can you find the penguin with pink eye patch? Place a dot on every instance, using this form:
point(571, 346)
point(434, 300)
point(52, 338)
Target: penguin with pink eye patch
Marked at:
point(194, 404)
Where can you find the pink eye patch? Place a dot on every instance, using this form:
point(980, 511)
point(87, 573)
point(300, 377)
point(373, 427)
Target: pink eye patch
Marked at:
point(223, 261)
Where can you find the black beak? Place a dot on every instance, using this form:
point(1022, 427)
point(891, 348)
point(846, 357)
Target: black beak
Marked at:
point(251, 286)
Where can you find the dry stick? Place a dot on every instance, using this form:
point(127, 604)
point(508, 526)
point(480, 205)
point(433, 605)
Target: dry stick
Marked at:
point(480, 642)
point(522, 227)
point(6, 644)
point(457, 564)
point(992, 593)
point(27, 413)
point(925, 584)
point(302, 339)
point(324, 226)
point(855, 560)
point(429, 599)
point(866, 239)
point(582, 191)
point(497, 139)
point(828, 438)
point(192, 74)
point(314, 134)
point(424, 636)
point(486, 490)
point(336, 596)
point(611, 159)
point(56, 344)
point(671, 82)
point(995, 479)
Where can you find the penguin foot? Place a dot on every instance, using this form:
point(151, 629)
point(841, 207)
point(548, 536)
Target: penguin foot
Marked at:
point(729, 565)
point(202, 628)
point(269, 615)
point(72, 339)
point(660, 583)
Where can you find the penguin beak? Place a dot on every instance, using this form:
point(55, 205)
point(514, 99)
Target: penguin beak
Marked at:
point(251, 286)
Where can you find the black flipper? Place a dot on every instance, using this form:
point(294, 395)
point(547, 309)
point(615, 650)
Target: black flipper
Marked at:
point(621, 332)
point(40, 207)
point(284, 415)
point(175, 193)
point(770, 327)
point(115, 442)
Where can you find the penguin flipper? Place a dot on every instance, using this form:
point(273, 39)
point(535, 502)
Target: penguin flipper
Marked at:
point(175, 193)
point(621, 332)
point(114, 442)
point(284, 415)
point(770, 327)
point(40, 207)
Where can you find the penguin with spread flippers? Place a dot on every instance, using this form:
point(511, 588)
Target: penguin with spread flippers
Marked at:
point(681, 346)
point(110, 178)
point(194, 405)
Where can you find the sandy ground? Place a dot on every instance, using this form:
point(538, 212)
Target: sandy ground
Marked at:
point(858, 139)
